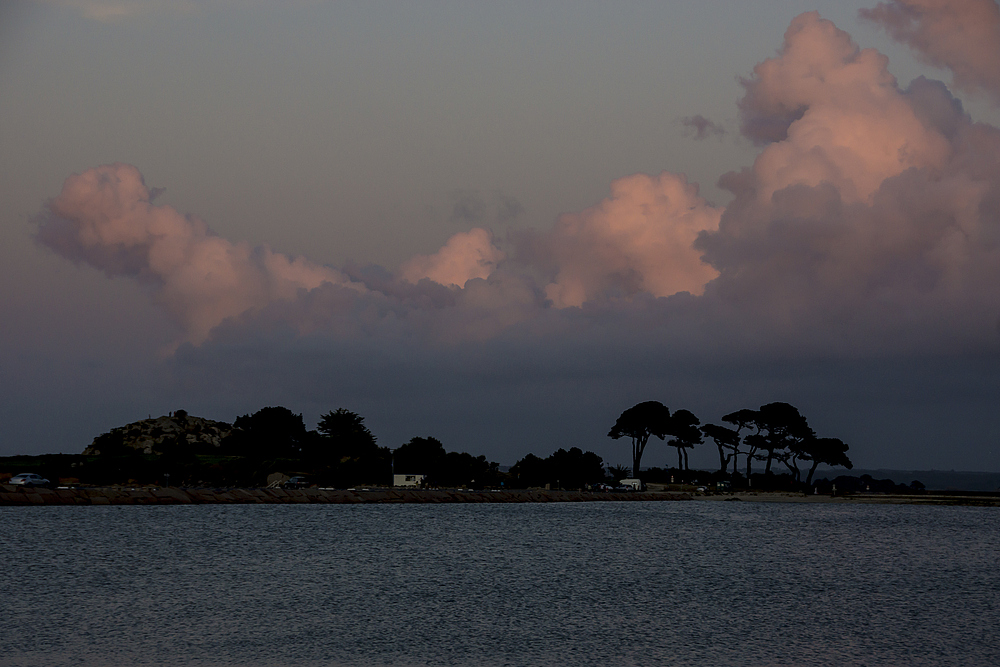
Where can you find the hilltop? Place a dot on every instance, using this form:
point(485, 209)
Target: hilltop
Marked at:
point(178, 430)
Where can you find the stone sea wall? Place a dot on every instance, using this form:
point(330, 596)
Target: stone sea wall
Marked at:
point(12, 495)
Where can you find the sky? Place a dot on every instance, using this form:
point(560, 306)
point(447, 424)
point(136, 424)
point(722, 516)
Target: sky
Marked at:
point(502, 224)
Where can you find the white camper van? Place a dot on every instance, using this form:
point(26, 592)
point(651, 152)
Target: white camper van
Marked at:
point(408, 481)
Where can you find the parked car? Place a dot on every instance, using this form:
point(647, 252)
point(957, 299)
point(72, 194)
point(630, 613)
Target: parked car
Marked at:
point(296, 483)
point(29, 479)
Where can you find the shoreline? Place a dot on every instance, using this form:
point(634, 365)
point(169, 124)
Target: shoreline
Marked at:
point(18, 496)
point(929, 498)
point(33, 497)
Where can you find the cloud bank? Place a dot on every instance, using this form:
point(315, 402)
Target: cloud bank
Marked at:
point(855, 271)
point(870, 219)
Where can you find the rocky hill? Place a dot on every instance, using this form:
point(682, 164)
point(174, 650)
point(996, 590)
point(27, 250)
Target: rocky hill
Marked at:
point(178, 430)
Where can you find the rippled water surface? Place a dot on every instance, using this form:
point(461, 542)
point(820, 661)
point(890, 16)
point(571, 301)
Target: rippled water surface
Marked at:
point(676, 583)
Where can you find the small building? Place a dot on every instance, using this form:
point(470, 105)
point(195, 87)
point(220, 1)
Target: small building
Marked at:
point(411, 481)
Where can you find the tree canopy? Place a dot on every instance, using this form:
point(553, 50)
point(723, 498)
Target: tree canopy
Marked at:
point(271, 431)
point(725, 439)
point(419, 456)
point(684, 428)
point(639, 423)
point(565, 469)
point(831, 451)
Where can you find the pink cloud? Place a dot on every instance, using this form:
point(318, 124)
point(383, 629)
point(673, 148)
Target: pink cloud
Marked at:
point(833, 113)
point(640, 239)
point(961, 35)
point(104, 218)
point(465, 256)
point(870, 219)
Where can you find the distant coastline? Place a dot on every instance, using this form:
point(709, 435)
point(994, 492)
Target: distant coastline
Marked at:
point(11, 495)
point(34, 497)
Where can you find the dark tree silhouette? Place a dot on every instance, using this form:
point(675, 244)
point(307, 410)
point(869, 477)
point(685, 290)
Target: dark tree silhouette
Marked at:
point(638, 423)
point(271, 431)
point(754, 443)
point(745, 419)
point(343, 424)
point(573, 469)
point(419, 456)
point(345, 436)
point(684, 427)
point(463, 469)
point(831, 451)
point(786, 428)
point(427, 456)
point(347, 451)
point(530, 471)
point(724, 438)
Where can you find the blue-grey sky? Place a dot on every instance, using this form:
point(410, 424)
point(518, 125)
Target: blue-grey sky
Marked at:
point(359, 135)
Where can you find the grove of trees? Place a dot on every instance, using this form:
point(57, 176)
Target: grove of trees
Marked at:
point(775, 432)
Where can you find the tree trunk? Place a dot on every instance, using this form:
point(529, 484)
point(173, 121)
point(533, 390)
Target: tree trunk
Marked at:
point(686, 460)
point(793, 467)
point(635, 456)
point(809, 479)
point(638, 446)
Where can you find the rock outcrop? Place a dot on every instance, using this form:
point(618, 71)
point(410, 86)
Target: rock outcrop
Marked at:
point(177, 430)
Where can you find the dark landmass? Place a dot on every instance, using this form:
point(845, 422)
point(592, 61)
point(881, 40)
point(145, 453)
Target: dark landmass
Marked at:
point(12, 495)
point(273, 445)
point(964, 498)
point(941, 480)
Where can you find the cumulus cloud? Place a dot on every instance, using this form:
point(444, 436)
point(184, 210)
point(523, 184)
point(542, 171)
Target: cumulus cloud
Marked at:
point(960, 35)
point(860, 252)
point(465, 256)
point(701, 127)
point(871, 218)
point(104, 218)
point(832, 113)
point(868, 222)
point(638, 240)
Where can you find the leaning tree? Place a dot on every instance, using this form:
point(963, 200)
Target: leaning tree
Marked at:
point(831, 451)
point(640, 422)
point(684, 428)
point(745, 419)
point(725, 438)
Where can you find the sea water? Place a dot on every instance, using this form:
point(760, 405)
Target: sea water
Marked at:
point(599, 583)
